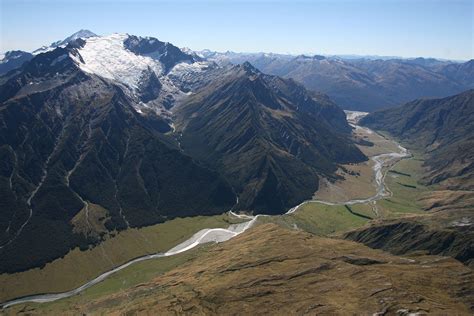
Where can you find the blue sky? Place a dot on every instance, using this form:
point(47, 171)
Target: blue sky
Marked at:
point(427, 28)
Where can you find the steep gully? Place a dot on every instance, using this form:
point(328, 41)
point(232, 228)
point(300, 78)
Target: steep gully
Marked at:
point(382, 163)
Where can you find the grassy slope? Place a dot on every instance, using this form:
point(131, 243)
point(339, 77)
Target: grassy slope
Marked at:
point(78, 267)
point(274, 270)
point(319, 219)
point(120, 281)
point(405, 199)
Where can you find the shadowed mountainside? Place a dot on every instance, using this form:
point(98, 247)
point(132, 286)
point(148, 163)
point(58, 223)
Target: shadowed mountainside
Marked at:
point(267, 135)
point(13, 60)
point(447, 234)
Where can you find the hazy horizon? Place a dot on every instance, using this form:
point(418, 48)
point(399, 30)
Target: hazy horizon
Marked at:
point(406, 29)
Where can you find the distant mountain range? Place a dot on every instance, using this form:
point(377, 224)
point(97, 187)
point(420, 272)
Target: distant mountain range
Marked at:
point(109, 132)
point(363, 84)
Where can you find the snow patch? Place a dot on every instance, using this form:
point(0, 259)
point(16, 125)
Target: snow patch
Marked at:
point(43, 49)
point(354, 116)
point(186, 68)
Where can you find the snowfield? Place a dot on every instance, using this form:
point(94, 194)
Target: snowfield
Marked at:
point(354, 116)
point(107, 57)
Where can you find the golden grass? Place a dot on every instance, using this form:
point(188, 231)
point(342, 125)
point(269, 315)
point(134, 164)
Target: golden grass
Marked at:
point(275, 271)
point(78, 267)
point(359, 185)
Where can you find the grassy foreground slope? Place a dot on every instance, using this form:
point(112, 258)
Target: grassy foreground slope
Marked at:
point(274, 270)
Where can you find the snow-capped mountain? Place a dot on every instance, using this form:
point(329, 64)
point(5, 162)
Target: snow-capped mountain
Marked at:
point(61, 43)
point(80, 34)
point(16, 58)
point(150, 71)
point(153, 73)
point(92, 109)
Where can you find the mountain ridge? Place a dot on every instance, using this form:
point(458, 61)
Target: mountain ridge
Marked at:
point(253, 127)
point(363, 84)
point(359, 83)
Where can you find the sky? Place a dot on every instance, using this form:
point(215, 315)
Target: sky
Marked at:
point(405, 28)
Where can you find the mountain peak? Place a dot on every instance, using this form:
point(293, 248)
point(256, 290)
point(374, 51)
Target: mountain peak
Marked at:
point(14, 54)
point(83, 33)
point(248, 68)
point(168, 54)
point(13, 59)
point(79, 34)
